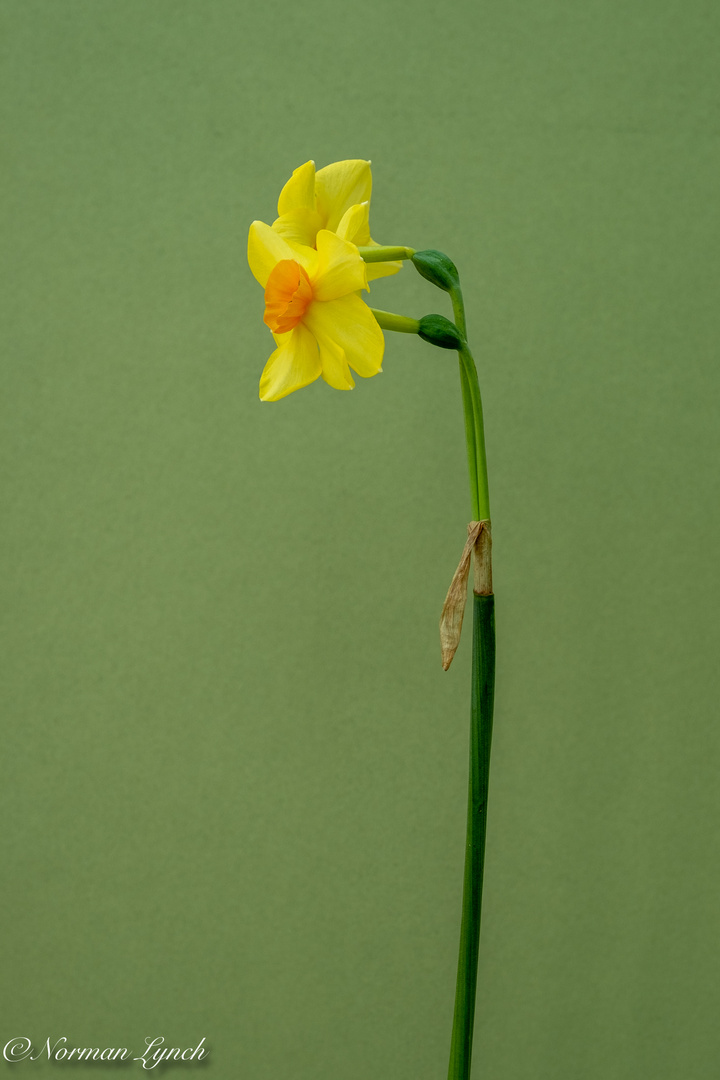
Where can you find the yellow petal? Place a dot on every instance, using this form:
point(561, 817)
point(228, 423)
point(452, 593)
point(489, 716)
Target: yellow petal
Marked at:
point(340, 269)
point(298, 226)
point(355, 225)
point(335, 370)
point(293, 365)
point(299, 192)
point(377, 270)
point(266, 248)
point(340, 186)
point(348, 322)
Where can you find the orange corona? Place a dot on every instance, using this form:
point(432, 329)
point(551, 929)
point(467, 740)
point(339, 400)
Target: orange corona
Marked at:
point(287, 295)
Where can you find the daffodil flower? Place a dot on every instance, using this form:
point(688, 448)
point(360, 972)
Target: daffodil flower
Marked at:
point(336, 198)
point(312, 263)
point(312, 305)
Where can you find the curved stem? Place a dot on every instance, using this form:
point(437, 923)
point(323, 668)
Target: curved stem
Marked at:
point(472, 404)
point(473, 391)
point(470, 441)
point(459, 310)
point(483, 690)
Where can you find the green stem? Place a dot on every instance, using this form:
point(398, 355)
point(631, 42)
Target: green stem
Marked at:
point(470, 442)
point(483, 680)
point(400, 323)
point(386, 254)
point(459, 310)
point(481, 718)
point(472, 405)
point(473, 402)
point(483, 686)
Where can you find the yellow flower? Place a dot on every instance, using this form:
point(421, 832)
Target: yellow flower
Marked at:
point(335, 198)
point(313, 307)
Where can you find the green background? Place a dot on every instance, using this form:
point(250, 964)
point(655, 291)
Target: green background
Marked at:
point(233, 771)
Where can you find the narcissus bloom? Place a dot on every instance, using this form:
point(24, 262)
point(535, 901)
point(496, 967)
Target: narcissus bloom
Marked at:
point(335, 198)
point(319, 322)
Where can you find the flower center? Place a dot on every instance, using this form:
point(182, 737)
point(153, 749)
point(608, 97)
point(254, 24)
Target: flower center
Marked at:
point(287, 294)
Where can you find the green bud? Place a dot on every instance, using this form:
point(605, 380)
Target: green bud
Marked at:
point(437, 268)
point(439, 331)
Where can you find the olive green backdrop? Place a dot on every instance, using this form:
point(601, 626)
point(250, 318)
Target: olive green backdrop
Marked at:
point(233, 771)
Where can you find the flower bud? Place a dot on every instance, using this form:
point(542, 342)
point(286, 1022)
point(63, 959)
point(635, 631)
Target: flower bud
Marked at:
point(438, 330)
point(437, 268)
